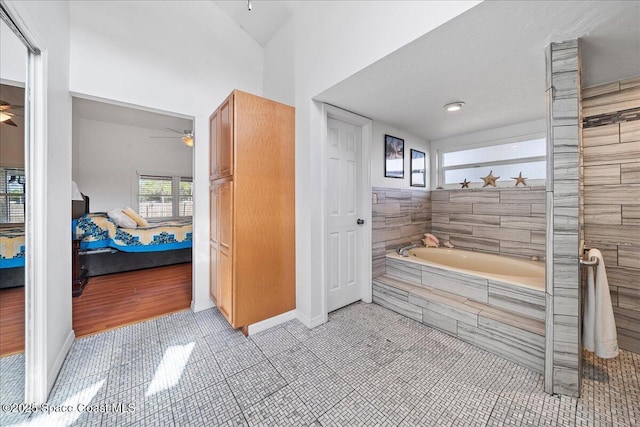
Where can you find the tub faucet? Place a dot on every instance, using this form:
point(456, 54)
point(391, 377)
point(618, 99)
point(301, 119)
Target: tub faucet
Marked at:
point(402, 251)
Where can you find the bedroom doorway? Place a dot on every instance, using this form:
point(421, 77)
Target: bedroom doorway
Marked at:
point(134, 228)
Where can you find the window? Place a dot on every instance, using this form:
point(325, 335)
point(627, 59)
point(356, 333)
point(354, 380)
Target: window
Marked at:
point(12, 199)
point(165, 196)
point(505, 160)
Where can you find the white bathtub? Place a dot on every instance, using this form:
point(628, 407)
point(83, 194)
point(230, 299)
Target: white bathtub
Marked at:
point(518, 271)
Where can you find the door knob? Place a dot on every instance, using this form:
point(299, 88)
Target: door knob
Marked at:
point(360, 221)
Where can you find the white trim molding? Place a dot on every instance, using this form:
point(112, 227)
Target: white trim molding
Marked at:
point(36, 258)
point(62, 355)
point(308, 322)
point(271, 322)
point(201, 306)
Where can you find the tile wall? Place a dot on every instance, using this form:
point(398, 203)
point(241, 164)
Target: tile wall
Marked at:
point(612, 196)
point(506, 221)
point(563, 292)
point(400, 217)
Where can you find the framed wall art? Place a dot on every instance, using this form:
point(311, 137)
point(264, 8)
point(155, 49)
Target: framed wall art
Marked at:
point(393, 157)
point(418, 168)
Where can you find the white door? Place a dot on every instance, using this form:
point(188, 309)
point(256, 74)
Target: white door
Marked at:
point(345, 248)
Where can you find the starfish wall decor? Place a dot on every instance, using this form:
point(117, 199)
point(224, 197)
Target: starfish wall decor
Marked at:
point(520, 179)
point(489, 179)
point(465, 183)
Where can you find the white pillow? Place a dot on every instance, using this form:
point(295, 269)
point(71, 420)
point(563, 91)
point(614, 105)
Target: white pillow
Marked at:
point(121, 219)
point(134, 216)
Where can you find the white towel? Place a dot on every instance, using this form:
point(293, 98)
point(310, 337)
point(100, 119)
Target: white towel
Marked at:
point(599, 325)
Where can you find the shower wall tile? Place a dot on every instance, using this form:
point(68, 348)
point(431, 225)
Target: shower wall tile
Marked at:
point(629, 256)
point(624, 152)
point(630, 173)
point(629, 298)
point(601, 175)
point(600, 89)
point(616, 234)
point(620, 100)
point(562, 356)
point(603, 214)
point(601, 135)
point(630, 131)
point(507, 221)
point(630, 82)
point(399, 218)
point(628, 194)
point(630, 215)
point(612, 201)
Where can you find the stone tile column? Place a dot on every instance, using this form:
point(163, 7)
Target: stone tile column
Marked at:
point(563, 291)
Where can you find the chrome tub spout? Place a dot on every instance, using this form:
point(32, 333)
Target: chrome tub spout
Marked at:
point(403, 250)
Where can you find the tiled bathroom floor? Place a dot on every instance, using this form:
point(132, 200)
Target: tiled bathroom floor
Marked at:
point(366, 366)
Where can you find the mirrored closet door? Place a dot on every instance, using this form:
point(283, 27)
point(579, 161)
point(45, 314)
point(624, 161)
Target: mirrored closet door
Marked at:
point(13, 182)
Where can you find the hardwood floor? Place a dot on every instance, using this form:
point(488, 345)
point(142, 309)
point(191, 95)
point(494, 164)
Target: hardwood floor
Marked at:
point(11, 321)
point(120, 299)
point(107, 302)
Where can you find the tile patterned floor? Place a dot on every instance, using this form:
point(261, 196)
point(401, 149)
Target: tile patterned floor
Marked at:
point(366, 366)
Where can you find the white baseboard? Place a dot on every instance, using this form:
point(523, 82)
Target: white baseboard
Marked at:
point(310, 322)
point(57, 365)
point(271, 322)
point(202, 306)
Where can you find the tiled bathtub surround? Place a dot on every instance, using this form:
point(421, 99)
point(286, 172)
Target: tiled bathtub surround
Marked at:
point(503, 318)
point(612, 199)
point(400, 217)
point(506, 221)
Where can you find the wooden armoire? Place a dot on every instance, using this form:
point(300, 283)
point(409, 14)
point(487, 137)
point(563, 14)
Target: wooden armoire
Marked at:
point(252, 217)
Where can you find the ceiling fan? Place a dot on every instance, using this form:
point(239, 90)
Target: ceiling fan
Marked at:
point(185, 135)
point(7, 111)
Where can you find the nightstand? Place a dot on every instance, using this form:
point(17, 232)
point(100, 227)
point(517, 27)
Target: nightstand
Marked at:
point(79, 271)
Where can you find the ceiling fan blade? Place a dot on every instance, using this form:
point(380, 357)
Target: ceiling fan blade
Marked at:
point(176, 131)
point(9, 122)
point(6, 107)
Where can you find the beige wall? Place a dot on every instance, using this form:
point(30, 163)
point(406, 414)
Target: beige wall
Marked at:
point(612, 197)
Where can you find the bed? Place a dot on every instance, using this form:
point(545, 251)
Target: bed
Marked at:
point(107, 248)
point(104, 247)
point(11, 257)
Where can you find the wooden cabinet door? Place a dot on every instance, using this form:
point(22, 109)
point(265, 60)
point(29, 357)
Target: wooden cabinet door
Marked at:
point(225, 249)
point(213, 243)
point(225, 139)
point(214, 137)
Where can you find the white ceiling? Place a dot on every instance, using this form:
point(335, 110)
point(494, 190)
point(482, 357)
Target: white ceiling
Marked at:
point(493, 58)
point(262, 21)
point(157, 123)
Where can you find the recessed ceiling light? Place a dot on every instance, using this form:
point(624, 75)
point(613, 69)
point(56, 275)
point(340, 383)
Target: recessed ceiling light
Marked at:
point(454, 106)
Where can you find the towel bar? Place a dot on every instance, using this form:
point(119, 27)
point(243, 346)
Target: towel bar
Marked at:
point(592, 262)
